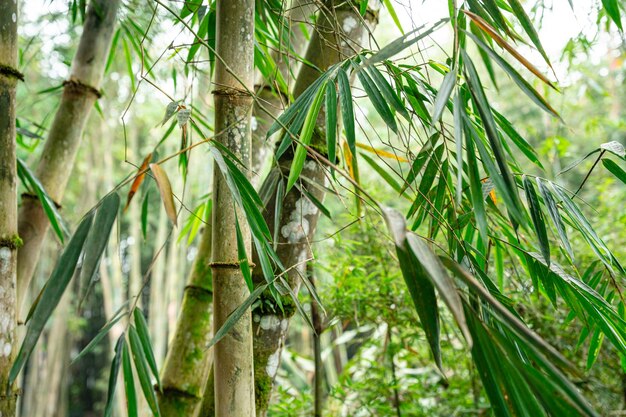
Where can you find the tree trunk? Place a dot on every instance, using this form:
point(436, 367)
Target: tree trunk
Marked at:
point(64, 137)
point(299, 215)
point(9, 240)
point(234, 79)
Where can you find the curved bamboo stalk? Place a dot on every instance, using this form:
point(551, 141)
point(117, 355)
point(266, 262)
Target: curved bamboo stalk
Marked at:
point(9, 239)
point(80, 93)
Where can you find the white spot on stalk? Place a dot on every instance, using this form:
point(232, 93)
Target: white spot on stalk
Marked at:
point(14, 17)
point(269, 322)
point(5, 260)
point(6, 349)
point(254, 124)
point(272, 363)
point(298, 227)
point(349, 24)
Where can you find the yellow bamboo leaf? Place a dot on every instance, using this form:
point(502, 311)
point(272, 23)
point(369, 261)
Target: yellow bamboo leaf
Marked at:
point(380, 152)
point(165, 189)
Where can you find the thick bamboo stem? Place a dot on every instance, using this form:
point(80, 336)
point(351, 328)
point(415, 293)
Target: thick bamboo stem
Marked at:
point(9, 239)
point(234, 79)
point(57, 160)
point(338, 34)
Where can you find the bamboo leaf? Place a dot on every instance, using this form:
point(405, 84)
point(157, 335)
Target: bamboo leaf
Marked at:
point(381, 152)
point(146, 344)
point(144, 214)
point(537, 218)
point(553, 212)
point(141, 366)
point(383, 173)
point(165, 189)
point(236, 315)
point(402, 43)
point(129, 382)
point(443, 96)
point(393, 14)
point(388, 92)
point(115, 370)
point(523, 18)
point(49, 207)
point(516, 77)
point(97, 338)
point(615, 169)
point(305, 138)
point(347, 111)
point(243, 256)
point(138, 179)
point(55, 287)
point(493, 34)
point(331, 121)
point(615, 148)
point(97, 240)
point(420, 287)
point(377, 100)
point(612, 9)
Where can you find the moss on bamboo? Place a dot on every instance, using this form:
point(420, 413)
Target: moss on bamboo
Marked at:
point(11, 242)
point(268, 305)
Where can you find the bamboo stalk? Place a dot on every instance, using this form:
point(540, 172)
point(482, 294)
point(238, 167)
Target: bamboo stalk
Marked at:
point(64, 137)
point(9, 239)
point(329, 44)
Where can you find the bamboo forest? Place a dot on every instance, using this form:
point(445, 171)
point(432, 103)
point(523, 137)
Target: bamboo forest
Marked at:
point(338, 208)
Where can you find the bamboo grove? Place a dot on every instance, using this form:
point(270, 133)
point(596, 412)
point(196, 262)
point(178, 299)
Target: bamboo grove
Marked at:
point(272, 109)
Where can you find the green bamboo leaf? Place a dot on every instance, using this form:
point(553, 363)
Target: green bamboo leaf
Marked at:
point(537, 218)
point(141, 366)
point(553, 212)
point(317, 203)
point(595, 344)
point(377, 100)
point(517, 139)
point(615, 169)
point(476, 193)
point(305, 138)
point(347, 111)
point(443, 95)
point(383, 173)
point(145, 205)
point(393, 14)
point(422, 157)
point(236, 315)
point(97, 338)
point(612, 9)
point(428, 178)
point(129, 382)
point(97, 240)
point(55, 287)
point(402, 43)
point(523, 18)
point(510, 194)
point(420, 286)
point(458, 110)
point(388, 92)
point(146, 344)
point(243, 256)
point(331, 121)
point(444, 284)
point(49, 207)
point(516, 77)
point(115, 370)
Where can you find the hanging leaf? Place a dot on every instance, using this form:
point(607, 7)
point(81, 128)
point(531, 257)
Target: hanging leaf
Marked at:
point(141, 175)
point(615, 169)
point(393, 14)
point(115, 370)
point(420, 287)
point(615, 148)
point(305, 138)
point(347, 111)
point(146, 344)
point(553, 212)
point(183, 116)
point(129, 382)
point(381, 152)
point(94, 342)
point(377, 100)
point(612, 9)
point(55, 287)
point(523, 18)
point(493, 34)
point(537, 218)
point(443, 95)
point(49, 207)
point(141, 366)
point(331, 121)
point(97, 241)
point(169, 112)
point(243, 256)
point(165, 189)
